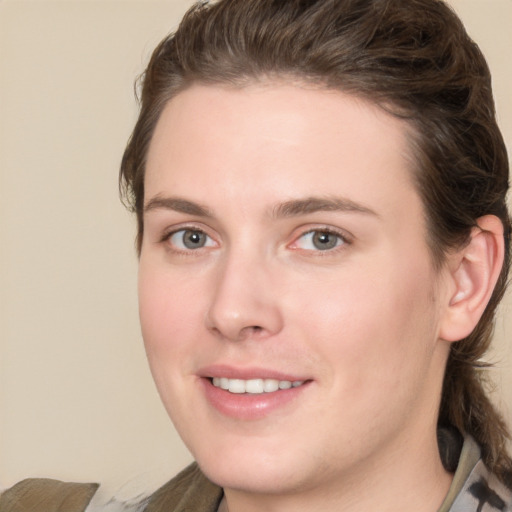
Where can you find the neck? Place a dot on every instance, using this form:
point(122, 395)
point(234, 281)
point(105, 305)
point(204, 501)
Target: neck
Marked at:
point(408, 477)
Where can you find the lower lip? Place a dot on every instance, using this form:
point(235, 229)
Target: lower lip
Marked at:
point(247, 406)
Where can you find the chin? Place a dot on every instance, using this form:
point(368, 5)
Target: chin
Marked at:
point(251, 467)
point(250, 478)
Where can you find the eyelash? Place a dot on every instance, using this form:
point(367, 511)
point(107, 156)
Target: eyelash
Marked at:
point(167, 237)
point(342, 240)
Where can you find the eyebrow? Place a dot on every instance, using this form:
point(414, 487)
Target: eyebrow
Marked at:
point(177, 204)
point(291, 208)
point(307, 205)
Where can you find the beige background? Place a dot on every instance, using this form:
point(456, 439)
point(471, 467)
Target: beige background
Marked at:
point(76, 399)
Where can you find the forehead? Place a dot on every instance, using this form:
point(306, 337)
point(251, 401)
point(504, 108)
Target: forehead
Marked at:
point(263, 142)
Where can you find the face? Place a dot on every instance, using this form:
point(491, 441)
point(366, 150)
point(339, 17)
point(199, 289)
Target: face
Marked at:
point(288, 302)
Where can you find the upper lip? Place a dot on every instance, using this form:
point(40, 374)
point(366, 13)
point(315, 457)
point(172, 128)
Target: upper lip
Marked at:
point(247, 373)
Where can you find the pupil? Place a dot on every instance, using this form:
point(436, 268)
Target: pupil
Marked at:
point(323, 240)
point(194, 239)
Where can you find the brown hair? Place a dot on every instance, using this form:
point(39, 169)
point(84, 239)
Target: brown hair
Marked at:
point(412, 57)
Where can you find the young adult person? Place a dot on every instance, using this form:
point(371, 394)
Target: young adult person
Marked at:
point(323, 237)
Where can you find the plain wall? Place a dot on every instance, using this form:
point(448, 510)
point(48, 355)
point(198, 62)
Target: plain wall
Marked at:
point(76, 398)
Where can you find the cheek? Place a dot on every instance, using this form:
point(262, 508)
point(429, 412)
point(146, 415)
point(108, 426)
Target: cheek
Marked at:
point(369, 322)
point(169, 311)
point(169, 320)
point(374, 339)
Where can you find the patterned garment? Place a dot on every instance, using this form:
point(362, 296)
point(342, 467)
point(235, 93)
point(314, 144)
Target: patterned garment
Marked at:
point(474, 489)
point(482, 492)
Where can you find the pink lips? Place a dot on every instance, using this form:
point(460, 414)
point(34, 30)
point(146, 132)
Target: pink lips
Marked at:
point(249, 406)
point(231, 372)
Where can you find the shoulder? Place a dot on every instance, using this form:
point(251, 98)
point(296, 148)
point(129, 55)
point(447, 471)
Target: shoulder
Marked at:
point(47, 495)
point(190, 490)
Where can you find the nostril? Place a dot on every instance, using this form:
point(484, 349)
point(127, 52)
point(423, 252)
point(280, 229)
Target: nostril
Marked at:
point(251, 331)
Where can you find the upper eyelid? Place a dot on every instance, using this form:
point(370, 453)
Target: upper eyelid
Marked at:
point(166, 234)
point(344, 241)
point(186, 226)
point(165, 239)
point(297, 233)
point(342, 233)
point(331, 231)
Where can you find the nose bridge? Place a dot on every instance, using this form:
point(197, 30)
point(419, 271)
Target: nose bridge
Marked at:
point(245, 298)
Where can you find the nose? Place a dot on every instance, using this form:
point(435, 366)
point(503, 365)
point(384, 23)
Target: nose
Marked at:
point(245, 301)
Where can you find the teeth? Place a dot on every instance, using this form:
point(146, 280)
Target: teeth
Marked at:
point(254, 386)
point(270, 385)
point(236, 386)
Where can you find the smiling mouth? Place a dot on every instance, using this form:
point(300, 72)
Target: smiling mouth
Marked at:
point(254, 386)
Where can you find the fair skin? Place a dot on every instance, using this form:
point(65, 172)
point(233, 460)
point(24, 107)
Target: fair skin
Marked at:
point(284, 240)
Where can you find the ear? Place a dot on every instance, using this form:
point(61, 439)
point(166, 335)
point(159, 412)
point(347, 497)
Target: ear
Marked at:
point(473, 272)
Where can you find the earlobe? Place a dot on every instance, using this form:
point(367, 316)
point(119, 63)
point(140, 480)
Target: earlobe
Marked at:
point(474, 270)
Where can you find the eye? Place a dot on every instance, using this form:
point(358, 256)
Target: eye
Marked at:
point(190, 239)
point(319, 240)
